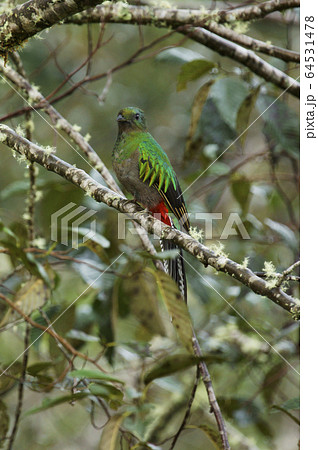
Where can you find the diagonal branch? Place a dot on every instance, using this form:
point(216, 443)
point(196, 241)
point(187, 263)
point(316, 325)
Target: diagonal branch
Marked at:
point(102, 194)
point(209, 20)
point(258, 11)
point(201, 27)
point(246, 57)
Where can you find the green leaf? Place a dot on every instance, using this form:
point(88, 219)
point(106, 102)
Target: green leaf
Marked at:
point(18, 187)
point(93, 276)
point(31, 296)
point(8, 379)
point(292, 403)
point(81, 336)
point(166, 254)
point(281, 124)
point(173, 364)
point(137, 295)
point(96, 237)
point(219, 168)
point(178, 55)
point(15, 188)
point(244, 113)
point(109, 437)
point(211, 432)
point(176, 307)
point(42, 383)
point(51, 311)
point(272, 381)
point(36, 368)
point(283, 231)
point(193, 70)
point(48, 403)
point(113, 395)
point(196, 111)
point(240, 187)
point(93, 375)
point(36, 268)
point(228, 95)
point(7, 231)
point(245, 412)
point(212, 129)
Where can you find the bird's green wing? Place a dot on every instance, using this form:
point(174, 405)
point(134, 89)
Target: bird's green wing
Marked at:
point(155, 168)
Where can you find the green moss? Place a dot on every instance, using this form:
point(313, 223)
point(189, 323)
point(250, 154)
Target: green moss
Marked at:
point(122, 11)
point(218, 249)
point(245, 262)
point(3, 137)
point(197, 234)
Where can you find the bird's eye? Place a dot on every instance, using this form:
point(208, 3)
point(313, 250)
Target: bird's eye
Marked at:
point(137, 116)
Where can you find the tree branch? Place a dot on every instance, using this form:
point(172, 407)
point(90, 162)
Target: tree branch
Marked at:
point(246, 57)
point(200, 27)
point(256, 11)
point(31, 17)
point(102, 194)
point(209, 20)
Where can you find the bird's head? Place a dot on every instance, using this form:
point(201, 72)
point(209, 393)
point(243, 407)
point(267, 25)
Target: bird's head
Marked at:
point(131, 118)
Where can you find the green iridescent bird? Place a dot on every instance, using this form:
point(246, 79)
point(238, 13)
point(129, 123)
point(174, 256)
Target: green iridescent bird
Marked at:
point(145, 171)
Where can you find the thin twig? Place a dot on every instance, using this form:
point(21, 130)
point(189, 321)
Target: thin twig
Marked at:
point(48, 330)
point(21, 388)
point(286, 273)
point(31, 197)
point(287, 277)
point(214, 406)
point(188, 410)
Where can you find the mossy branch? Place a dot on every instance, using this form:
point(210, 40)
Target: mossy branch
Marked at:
point(31, 17)
point(207, 19)
point(103, 194)
point(203, 26)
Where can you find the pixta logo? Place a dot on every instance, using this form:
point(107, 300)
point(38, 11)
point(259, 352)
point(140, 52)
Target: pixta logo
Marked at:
point(65, 225)
point(232, 225)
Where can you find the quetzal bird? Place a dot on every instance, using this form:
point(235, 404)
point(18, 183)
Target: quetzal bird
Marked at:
point(145, 171)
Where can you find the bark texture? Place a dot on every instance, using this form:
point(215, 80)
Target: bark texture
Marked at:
point(31, 17)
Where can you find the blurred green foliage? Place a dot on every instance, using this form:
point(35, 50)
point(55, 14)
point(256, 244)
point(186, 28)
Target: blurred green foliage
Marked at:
point(197, 103)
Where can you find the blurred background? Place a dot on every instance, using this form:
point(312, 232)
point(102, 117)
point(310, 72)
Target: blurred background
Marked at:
point(257, 177)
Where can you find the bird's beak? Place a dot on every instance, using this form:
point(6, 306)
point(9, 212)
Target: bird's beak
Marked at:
point(120, 118)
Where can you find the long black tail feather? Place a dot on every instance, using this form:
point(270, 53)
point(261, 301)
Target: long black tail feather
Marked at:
point(175, 266)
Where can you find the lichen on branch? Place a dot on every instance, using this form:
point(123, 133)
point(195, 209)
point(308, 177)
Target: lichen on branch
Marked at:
point(31, 17)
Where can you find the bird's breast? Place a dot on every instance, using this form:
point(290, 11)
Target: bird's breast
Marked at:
point(127, 172)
